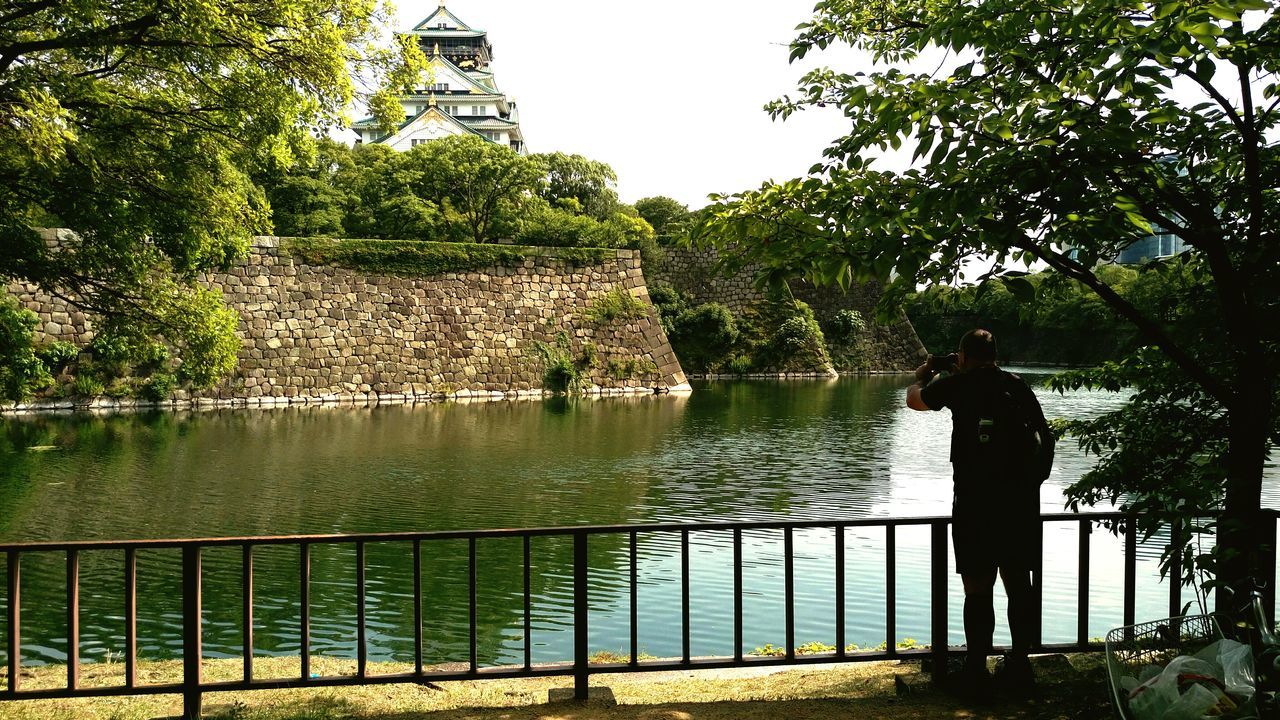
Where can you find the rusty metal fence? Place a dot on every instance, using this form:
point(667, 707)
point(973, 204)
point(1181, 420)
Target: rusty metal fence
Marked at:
point(193, 686)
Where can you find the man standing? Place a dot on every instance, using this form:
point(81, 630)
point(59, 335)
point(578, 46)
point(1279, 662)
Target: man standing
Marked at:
point(1001, 450)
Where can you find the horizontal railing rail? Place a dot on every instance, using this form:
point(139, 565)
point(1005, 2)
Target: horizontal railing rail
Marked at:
point(193, 685)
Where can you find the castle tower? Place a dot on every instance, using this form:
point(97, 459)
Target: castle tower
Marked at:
point(462, 96)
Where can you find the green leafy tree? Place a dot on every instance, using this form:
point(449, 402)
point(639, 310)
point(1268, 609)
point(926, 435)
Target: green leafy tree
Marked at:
point(137, 124)
point(1057, 125)
point(589, 182)
point(669, 218)
point(306, 200)
point(384, 200)
point(479, 185)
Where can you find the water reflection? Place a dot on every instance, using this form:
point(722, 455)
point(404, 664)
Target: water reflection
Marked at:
point(760, 450)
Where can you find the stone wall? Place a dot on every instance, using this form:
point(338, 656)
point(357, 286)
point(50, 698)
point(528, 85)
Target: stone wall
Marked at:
point(330, 334)
point(886, 348)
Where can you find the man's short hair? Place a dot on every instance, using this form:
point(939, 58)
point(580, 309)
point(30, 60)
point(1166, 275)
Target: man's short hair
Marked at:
point(978, 345)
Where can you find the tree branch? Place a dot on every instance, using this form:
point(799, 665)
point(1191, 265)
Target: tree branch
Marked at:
point(1148, 327)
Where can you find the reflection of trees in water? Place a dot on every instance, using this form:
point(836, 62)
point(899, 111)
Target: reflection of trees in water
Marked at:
point(777, 449)
point(324, 470)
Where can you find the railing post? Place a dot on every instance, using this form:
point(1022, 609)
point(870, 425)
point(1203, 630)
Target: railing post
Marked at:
point(1037, 587)
point(1270, 554)
point(191, 630)
point(580, 609)
point(14, 638)
point(938, 601)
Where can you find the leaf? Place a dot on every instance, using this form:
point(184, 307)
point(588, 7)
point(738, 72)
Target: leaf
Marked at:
point(1140, 222)
point(1021, 289)
point(1223, 12)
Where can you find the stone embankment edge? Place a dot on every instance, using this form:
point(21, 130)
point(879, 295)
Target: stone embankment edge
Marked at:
point(121, 405)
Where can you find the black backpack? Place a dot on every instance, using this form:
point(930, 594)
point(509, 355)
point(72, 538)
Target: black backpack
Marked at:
point(1009, 433)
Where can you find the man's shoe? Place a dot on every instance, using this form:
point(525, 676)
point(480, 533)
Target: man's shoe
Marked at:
point(972, 684)
point(1015, 676)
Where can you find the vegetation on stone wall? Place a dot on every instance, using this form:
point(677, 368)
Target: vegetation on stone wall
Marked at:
point(425, 259)
point(139, 126)
point(616, 304)
point(22, 369)
point(778, 335)
point(187, 342)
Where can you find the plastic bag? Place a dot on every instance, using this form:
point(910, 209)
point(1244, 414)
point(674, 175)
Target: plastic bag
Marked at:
point(1157, 697)
point(1235, 662)
point(1194, 687)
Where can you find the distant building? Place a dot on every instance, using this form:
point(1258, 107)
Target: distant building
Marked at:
point(1153, 247)
point(462, 96)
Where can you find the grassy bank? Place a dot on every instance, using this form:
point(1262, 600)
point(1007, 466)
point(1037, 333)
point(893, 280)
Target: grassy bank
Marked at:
point(865, 690)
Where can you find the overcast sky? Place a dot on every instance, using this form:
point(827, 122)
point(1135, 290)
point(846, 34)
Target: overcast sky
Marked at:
point(668, 93)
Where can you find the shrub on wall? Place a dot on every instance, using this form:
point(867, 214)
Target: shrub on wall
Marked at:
point(704, 336)
point(22, 372)
point(617, 304)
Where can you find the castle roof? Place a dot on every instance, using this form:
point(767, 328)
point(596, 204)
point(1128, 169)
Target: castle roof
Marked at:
point(443, 23)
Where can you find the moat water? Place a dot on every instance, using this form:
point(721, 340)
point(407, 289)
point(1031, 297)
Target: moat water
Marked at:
point(731, 451)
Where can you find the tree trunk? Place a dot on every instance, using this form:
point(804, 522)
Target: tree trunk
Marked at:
point(1248, 549)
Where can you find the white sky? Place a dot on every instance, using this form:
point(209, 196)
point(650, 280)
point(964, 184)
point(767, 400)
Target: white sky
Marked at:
point(670, 94)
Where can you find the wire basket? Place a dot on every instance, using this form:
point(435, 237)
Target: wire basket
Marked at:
point(1134, 647)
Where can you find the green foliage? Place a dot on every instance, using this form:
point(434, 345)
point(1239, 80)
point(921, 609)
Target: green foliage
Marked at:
point(784, 336)
point(479, 187)
point(630, 368)
point(703, 336)
point(669, 303)
point(846, 325)
point(1060, 134)
point(589, 184)
point(616, 304)
point(159, 387)
point(58, 354)
point(780, 335)
point(308, 200)
point(139, 126)
point(405, 258)
point(22, 371)
point(86, 385)
point(460, 189)
point(561, 372)
point(669, 218)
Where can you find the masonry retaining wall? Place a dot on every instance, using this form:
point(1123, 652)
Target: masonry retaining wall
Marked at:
point(885, 348)
point(313, 334)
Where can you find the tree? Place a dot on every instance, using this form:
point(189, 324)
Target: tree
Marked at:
point(485, 184)
point(1062, 132)
point(668, 217)
point(589, 182)
point(306, 200)
point(137, 123)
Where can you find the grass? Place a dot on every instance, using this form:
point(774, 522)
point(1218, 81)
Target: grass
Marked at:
point(862, 690)
point(416, 258)
point(616, 304)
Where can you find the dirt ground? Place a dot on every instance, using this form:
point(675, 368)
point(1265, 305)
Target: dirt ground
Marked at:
point(1069, 689)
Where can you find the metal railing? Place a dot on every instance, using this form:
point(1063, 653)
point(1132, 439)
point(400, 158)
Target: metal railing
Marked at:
point(193, 686)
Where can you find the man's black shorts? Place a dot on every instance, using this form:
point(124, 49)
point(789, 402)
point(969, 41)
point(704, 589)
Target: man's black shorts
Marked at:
point(991, 536)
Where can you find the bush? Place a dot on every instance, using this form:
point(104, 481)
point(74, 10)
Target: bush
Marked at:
point(846, 325)
point(88, 386)
point(669, 303)
point(786, 337)
point(159, 387)
point(617, 304)
point(704, 335)
point(793, 335)
point(22, 372)
point(560, 373)
point(56, 355)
